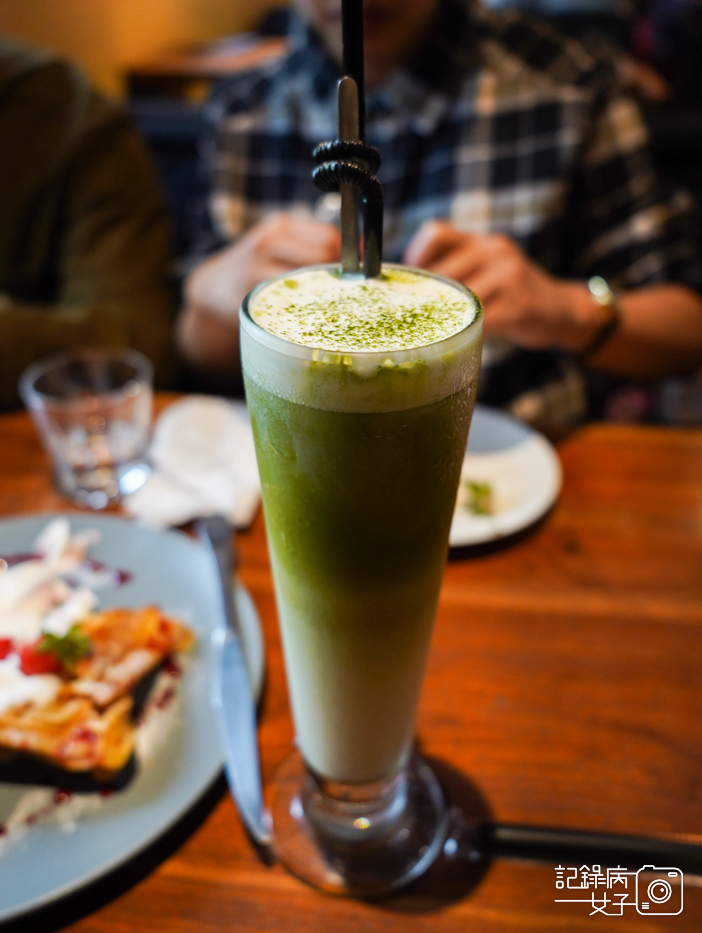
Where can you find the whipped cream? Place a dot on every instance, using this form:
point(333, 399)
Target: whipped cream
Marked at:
point(16, 689)
point(48, 591)
point(52, 589)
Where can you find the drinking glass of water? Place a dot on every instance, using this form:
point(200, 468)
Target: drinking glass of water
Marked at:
point(92, 409)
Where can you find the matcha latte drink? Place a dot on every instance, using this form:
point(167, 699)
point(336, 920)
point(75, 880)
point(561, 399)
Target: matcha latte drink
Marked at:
point(360, 393)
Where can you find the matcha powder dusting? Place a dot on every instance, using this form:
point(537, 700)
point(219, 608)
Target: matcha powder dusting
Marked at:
point(400, 310)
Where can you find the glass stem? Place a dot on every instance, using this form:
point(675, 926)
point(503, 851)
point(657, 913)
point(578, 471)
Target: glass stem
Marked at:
point(354, 813)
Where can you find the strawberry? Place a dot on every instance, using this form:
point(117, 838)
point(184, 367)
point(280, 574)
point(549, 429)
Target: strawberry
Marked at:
point(35, 661)
point(7, 646)
point(55, 654)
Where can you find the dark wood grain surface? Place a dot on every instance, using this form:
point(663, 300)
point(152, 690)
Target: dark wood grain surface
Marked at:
point(563, 689)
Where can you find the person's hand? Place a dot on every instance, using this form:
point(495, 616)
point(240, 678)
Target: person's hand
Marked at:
point(279, 243)
point(207, 330)
point(522, 302)
point(640, 77)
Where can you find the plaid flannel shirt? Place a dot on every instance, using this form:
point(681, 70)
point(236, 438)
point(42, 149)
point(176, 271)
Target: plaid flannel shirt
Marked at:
point(497, 125)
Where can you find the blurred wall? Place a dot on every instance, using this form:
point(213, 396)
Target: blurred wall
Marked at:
point(105, 36)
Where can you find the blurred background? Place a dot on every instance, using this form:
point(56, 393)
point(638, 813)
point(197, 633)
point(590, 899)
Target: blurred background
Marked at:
point(108, 37)
point(163, 57)
point(112, 38)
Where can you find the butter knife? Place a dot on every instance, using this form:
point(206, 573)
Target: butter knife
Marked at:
point(233, 694)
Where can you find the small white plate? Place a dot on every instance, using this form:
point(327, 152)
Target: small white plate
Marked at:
point(176, 572)
point(523, 472)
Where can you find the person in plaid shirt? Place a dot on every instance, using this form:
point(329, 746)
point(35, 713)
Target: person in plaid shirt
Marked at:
point(512, 162)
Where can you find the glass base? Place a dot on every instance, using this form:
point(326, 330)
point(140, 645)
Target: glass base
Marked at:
point(102, 487)
point(357, 839)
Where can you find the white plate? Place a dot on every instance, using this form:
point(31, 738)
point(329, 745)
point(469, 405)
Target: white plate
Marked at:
point(169, 569)
point(522, 469)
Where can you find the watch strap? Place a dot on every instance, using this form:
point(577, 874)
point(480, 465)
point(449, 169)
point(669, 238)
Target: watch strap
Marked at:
point(603, 295)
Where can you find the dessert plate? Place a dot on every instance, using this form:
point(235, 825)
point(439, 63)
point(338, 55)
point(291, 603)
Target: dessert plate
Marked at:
point(520, 470)
point(56, 856)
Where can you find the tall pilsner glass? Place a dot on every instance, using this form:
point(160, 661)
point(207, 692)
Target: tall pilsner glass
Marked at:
point(360, 393)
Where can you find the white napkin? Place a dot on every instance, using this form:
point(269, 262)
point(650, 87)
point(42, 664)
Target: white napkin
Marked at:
point(204, 463)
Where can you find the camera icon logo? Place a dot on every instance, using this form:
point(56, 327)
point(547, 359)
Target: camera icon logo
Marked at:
point(659, 891)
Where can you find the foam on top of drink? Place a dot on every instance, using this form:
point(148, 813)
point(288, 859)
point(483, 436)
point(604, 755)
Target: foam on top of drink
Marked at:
point(400, 310)
point(345, 343)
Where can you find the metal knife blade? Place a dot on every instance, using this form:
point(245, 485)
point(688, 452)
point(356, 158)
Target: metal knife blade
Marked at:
point(233, 694)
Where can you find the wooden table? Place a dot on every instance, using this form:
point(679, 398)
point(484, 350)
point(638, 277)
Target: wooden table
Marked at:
point(563, 689)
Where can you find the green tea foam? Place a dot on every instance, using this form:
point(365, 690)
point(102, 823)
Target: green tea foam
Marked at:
point(352, 344)
point(400, 310)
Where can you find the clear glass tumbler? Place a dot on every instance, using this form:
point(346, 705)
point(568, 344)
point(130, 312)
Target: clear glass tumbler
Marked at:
point(360, 456)
point(92, 410)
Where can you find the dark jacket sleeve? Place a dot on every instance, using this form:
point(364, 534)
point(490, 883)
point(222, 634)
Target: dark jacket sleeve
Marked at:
point(85, 240)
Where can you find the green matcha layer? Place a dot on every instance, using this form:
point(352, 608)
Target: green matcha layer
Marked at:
point(358, 509)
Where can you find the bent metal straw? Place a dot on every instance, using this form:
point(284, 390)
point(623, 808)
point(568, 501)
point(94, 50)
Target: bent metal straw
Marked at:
point(348, 164)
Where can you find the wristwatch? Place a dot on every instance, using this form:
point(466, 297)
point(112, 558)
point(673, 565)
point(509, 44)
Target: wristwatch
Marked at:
point(603, 295)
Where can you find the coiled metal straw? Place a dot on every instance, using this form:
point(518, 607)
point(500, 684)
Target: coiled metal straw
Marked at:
point(348, 164)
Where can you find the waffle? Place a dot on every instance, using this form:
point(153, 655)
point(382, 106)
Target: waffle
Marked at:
point(82, 737)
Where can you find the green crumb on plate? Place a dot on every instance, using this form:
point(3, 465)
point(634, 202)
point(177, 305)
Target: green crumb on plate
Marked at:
point(479, 500)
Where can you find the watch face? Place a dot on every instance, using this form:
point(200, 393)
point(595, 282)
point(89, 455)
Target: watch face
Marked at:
point(600, 290)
